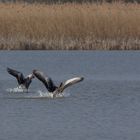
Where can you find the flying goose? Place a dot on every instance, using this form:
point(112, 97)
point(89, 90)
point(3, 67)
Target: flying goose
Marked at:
point(51, 87)
point(23, 82)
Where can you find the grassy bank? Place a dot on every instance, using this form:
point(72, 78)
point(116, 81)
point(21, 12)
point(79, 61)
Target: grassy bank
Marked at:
point(70, 26)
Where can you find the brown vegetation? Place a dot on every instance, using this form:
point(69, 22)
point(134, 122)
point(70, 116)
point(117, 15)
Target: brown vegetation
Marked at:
point(70, 26)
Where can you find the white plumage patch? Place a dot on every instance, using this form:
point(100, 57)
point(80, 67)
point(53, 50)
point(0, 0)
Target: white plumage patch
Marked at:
point(73, 80)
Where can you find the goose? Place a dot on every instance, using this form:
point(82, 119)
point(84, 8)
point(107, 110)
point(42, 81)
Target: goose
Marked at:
point(23, 82)
point(51, 87)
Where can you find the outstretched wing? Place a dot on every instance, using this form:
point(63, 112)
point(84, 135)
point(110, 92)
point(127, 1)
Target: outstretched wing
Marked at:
point(70, 82)
point(47, 81)
point(19, 76)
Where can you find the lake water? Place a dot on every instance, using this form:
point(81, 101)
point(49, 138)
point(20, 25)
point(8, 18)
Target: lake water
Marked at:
point(105, 106)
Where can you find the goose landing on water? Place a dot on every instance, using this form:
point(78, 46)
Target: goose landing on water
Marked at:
point(23, 82)
point(51, 87)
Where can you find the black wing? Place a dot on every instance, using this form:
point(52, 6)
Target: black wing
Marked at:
point(47, 81)
point(19, 76)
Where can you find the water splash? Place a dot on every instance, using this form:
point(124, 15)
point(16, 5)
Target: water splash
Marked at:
point(41, 94)
point(18, 89)
point(50, 95)
point(36, 95)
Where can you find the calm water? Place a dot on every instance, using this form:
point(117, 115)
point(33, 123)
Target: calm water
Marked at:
point(105, 106)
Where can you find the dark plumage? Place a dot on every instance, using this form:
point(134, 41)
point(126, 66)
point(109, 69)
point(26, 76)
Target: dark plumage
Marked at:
point(51, 87)
point(22, 81)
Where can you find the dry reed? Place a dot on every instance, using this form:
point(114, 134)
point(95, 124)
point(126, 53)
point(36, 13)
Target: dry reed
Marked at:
point(86, 26)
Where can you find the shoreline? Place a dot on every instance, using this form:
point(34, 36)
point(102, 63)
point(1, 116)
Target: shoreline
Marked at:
point(70, 26)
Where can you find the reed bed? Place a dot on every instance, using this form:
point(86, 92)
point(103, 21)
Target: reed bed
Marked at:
point(70, 26)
